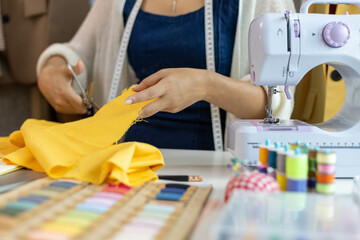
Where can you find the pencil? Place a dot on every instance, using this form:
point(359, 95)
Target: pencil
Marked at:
point(181, 178)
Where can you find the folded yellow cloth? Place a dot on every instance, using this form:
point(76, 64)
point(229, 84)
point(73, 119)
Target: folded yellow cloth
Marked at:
point(86, 150)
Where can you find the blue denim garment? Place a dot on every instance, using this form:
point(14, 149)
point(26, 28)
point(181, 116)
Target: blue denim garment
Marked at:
point(159, 42)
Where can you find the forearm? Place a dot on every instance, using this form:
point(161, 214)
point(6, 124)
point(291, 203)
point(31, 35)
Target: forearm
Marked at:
point(238, 97)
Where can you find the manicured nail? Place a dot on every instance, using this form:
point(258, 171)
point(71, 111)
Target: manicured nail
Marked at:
point(135, 86)
point(128, 101)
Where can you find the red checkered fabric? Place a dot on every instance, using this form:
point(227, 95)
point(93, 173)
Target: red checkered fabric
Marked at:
point(251, 181)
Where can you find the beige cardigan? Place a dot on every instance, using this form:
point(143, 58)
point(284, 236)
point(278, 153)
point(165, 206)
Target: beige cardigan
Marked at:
point(98, 40)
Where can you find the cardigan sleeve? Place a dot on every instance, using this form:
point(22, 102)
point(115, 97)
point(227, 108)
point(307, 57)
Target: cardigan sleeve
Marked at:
point(264, 6)
point(83, 44)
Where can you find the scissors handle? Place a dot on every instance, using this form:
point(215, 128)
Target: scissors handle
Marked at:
point(87, 101)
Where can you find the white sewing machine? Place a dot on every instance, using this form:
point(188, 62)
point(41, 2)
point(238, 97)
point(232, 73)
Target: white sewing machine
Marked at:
point(282, 49)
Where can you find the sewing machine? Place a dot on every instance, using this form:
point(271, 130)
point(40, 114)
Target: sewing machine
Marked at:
point(283, 47)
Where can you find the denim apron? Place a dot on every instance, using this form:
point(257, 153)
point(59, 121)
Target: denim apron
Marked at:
point(159, 42)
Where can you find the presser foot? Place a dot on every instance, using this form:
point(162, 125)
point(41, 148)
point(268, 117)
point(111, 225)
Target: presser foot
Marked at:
point(271, 120)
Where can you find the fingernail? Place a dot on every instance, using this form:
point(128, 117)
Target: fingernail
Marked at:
point(128, 101)
point(135, 86)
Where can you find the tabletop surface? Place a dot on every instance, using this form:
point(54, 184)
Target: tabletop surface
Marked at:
point(210, 165)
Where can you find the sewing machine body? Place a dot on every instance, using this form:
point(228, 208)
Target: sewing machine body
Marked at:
point(282, 49)
point(245, 137)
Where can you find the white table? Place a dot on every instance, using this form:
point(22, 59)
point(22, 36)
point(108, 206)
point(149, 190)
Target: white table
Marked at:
point(212, 167)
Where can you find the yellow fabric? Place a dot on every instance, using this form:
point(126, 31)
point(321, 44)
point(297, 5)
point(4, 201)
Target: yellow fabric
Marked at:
point(335, 95)
point(85, 149)
point(310, 96)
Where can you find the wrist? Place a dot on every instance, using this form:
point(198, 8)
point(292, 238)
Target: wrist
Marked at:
point(55, 61)
point(211, 79)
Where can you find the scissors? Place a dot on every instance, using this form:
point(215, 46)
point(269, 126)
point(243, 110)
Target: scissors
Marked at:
point(87, 96)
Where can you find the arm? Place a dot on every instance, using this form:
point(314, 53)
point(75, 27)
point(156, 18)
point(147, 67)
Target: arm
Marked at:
point(240, 98)
point(179, 88)
point(54, 79)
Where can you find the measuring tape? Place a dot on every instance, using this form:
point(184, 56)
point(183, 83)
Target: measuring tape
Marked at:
point(210, 63)
point(122, 51)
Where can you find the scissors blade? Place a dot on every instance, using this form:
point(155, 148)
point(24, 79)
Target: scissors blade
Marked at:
point(77, 81)
point(90, 92)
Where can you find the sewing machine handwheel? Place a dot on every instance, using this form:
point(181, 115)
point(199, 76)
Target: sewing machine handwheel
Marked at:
point(336, 34)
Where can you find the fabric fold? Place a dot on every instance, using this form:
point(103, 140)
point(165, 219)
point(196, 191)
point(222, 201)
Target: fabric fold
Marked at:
point(86, 150)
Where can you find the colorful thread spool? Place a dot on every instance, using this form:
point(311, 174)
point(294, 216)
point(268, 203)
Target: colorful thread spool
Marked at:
point(296, 185)
point(262, 169)
point(281, 159)
point(263, 152)
point(281, 180)
point(325, 178)
point(325, 175)
point(272, 153)
point(312, 152)
point(311, 184)
point(295, 145)
point(312, 165)
point(325, 188)
point(326, 157)
point(326, 168)
point(296, 171)
point(297, 165)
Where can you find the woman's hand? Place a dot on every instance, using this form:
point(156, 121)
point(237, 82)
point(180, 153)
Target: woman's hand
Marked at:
point(54, 82)
point(174, 88)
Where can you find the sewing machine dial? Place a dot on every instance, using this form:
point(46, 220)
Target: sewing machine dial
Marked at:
point(336, 34)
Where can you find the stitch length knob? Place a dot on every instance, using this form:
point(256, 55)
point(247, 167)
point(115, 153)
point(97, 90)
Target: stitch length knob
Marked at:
point(336, 34)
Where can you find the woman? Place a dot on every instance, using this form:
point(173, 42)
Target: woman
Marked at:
point(168, 52)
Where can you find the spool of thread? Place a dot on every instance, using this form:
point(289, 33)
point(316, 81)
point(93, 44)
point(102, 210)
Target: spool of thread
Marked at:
point(297, 165)
point(312, 164)
point(295, 145)
point(262, 169)
point(325, 188)
point(311, 183)
point(263, 152)
point(326, 168)
point(272, 153)
point(304, 148)
point(281, 159)
point(313, 152)
point(325, 178)
point(281, 179)
point(312, 174)
point(325, 157)
point(296, 185)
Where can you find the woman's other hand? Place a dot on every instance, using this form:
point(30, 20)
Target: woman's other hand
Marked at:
point(174, 88)
point(54, 82)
